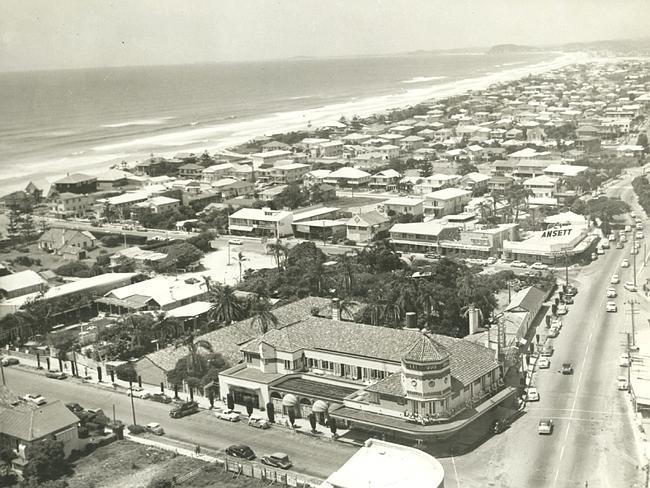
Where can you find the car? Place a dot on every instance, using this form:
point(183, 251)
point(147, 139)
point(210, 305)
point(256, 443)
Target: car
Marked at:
point(611, 237)
point(629, 286)
point(568, 299)
point(615, 280)
point(491, 260)
point(639, 235)
point(56, 375)
point(600, 251)
point(229, 415)
point(553, 332)
point(623, 238)
point(605, 245)
point(259, 423)
point(556, 322)
point(567, 368)
point(571, 291)
point(518, 264)
point(184, 409)
point(639, 226)
point(611, 293)
point(611, 307)
point(160, 398)
point(155, 428)
point(621, 383)
point(634, 250)
point(35, 398)
point(546, 350)
point(240, 451)
point(543, 363)
point(545, 427)
point(74, 407)
point(138, 392)
point(624, 360)
point(539, 266)
point(235, 242)
point(10, 361)
point(628, 228)
point(500, 425)
point(277, 460)
point(625, 263)
point(432, 255)
point(562, 309)
point(619, 245)
point(532, 395)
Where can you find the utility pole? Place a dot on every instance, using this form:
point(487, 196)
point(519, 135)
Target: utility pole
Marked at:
point(228, 252)
point(132, 404)
point(566, 268)
point(2, 370)
point(634, 251)
point(629, 366)
point(632, 312)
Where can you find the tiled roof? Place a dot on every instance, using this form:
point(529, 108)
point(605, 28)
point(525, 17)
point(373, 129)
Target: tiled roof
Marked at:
point(391, 385)
point(28, 423)
point(75, 178)
point(425, 350)
point(529, 299)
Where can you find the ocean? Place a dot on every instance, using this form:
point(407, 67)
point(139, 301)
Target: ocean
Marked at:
point(54, 122)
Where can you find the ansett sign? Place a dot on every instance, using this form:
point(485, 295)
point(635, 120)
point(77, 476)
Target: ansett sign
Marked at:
point(557, 232)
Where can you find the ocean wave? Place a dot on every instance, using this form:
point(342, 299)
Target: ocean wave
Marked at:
point(423, 79)
point(132, 123)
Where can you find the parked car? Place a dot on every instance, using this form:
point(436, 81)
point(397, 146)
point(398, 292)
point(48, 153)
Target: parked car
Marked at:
point(615, 280)
point(611, 237)
point(600, 251)
point(277, 460)
point(544, 363)
point(500, 425)
point(10, 361)
point(571, 291)
point(184, 409)
point(74, 407)
point(545, 427)
point(567, 368)
point(259, 423)
point(625, 263)
point(553, 332)
point(56, 375)
point(568, 299)
point(611, 293)
point(629, 286)
point(562, 309)
point(235, 242)
point(240, 451)
point(532, 395)
point(229, 415)
point(160, 398)
point(491, 260)
point(518, 264)
point(619, 245)
point(155, 428)
point(35, 398)
point(594, 256)
point(432, 255)
point(621, 383)
point(624, 360)
point(605, 244)
point(546, 350)
point(611, 307)
point(639, 235)
point(540, 266)
point(138, 393)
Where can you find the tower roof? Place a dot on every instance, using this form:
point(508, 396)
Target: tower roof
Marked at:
point(426, 350)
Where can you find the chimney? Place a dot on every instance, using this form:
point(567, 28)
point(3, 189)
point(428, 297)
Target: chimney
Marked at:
point(474, 320)
point(336, 309)
point(411, 320)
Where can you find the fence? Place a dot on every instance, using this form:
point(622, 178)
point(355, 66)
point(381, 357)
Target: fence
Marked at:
point(265, 473)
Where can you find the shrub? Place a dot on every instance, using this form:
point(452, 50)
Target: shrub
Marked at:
point(349, 242)
point(160, 482)
point(111, 241)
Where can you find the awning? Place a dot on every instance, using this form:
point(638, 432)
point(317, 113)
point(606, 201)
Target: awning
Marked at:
point(289, 400)
point(242, 228)
point(320, 406)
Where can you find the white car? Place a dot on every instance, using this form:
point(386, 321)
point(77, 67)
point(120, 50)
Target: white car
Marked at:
point(553, 332)
point(518, 264)
point(611, 307)
point(611, 238)
point(639, 226)
point(539, 266)
point(629, 286)
point(35, 398)
point(615, 280)
point(228, 415)
point(611, 293)
point(621, 383)
point(545, 427)
point(624, 360)
point(594, 256)
point(235, 242)
point(544, 363)
point(639, 235)
point(138, 393)
point(600, 251)
point(605, 245)
point(625, 263)
point(491, 260)
point(532, 395)
point(562, 309)
point(155, 428)
point(556, 322)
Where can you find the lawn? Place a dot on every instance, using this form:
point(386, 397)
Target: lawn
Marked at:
point(127, 464)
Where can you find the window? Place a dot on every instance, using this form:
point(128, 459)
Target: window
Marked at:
point(287, 365)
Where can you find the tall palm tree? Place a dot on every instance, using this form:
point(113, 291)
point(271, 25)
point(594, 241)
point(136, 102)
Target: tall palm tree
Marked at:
point(347, 274)
point(376, 311)
point(392, 314)
point(279, 250)
point(226, 307)
point(194, 347)
point(166, 327)
point(262, 315)
point(346, 307)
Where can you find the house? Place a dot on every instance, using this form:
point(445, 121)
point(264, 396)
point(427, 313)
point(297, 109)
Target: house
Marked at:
point(267, 158)
point(320, 229)
point(143, 259)
point(275, 146)
point(348, 177)
point(475, 182)
point(478, 242)
point(158, 166)
point(21, 283)
point(70, 243)
point(435, 182)
point(404, 205)
point(191, 171)
point(159, 204)
point(22, 425)
point(412, 143)
point(385, 180)
point(70, 204)
point(588, 131)
point(364, 227)
point(260, 222)
point(217, 172)
point(529, 168)
point(500, 183)
point(120, 205)
point(269, 194)
point(330, 149)
point(503, 167)
point(230, 188)
point(543, 186)
point(421, 236)
point(383, 383)
point(76, 183)
point(388, 151)
point(287, 173)
point(521, 312)
point(446, 201)
point(116, 179)
point(588, 144)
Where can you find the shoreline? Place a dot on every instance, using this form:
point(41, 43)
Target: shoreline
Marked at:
point(224, 136)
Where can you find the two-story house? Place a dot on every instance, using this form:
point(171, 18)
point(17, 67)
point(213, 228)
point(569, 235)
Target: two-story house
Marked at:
point(260, 222)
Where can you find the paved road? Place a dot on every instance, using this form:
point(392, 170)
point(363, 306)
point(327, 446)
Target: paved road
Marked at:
point(593, 439)
point(310, 456)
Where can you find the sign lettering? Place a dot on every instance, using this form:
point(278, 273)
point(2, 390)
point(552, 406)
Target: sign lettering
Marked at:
point(556, 232)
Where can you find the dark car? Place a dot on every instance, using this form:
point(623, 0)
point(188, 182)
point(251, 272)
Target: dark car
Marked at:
point(500, 425)
point(184, 409)
point(568, 300)
point(277, 460)
point(567, 368)
point(571, 291)
point(10, 361)
point(74, 407)
point(160, 398)
point(240, 451)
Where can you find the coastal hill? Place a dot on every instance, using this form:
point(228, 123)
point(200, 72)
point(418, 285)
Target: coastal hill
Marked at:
point(512, 48)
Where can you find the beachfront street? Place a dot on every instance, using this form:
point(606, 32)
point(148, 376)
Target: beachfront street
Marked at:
point(593, 440)
point(310, 456)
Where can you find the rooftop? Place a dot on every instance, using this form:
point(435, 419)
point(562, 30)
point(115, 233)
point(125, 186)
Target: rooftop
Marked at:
point(21, 280)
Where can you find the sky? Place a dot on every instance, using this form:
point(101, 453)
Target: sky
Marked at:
point(46, 34)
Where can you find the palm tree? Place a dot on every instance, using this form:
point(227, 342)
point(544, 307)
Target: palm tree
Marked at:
point(278, 249)
point(166, 327)
point(194, 347)
point(347, 307)
point(226, 307)
point(347, 273)
point(425, 299)
point(376, 311)
point(392, 314)
point(261, 314)
point(240, 260)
